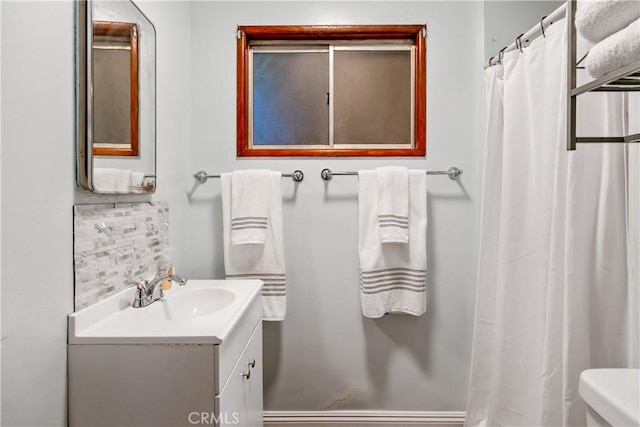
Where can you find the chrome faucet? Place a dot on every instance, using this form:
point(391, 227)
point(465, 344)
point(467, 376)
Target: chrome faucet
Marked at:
point(148, 292)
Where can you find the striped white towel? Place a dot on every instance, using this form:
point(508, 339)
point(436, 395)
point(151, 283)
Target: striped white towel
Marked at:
point(259, 261)
point(392, 184)
point(249, 206)
point(393, 277)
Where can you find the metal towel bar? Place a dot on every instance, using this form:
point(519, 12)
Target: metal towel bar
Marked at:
point(453, 172)
point(201, 176)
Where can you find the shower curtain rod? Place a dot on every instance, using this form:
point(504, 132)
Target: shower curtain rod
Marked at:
point(534, 32)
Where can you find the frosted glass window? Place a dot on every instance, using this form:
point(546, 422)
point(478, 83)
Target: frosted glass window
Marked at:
point(331, 90)
point(372, 96)
point(290, 92)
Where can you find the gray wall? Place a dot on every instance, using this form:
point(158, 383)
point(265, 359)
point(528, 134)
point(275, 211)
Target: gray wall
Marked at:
point(38, 190)
point(506, 20)
point(325, 355)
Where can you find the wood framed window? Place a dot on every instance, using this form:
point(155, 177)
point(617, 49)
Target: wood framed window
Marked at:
point(115, 89)
point(345, 90)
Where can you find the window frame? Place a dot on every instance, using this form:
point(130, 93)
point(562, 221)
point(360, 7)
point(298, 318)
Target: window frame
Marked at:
point(414, 33)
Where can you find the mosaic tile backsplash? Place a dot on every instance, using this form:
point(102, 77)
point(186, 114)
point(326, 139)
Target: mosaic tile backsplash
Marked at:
point(116, 245)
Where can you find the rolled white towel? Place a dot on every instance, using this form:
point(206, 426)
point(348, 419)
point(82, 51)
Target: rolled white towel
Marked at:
point(598, 19)
point(111, 180)
point(615, 51)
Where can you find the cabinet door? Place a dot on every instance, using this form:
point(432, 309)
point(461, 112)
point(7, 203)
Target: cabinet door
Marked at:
point(231, 400)
point(253, 386)
point(240, 403)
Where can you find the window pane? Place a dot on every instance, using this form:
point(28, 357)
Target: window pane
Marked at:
point(372, 96)
point(290, 98)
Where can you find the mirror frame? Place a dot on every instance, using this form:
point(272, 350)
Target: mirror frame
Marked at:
point(83, 43)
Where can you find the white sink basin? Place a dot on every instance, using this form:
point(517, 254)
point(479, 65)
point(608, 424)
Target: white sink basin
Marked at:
point(613, 393)
point(192, 303)
point(201, 312)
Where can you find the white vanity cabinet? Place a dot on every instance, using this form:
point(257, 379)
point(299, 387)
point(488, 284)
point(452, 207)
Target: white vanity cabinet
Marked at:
point(184, 382)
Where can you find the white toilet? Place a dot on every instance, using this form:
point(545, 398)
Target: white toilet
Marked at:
point(612, 397)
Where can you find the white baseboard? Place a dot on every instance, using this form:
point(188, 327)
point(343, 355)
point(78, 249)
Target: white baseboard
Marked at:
point(363, 418)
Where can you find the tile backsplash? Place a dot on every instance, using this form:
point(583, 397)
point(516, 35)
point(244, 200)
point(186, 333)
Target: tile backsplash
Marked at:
point(116, 245)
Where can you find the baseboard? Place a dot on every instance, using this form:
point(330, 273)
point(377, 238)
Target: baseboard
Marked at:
point(363, 418)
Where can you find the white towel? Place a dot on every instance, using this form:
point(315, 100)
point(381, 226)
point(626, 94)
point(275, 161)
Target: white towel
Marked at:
point(111, 180)
point(598, 19)
point(137, 179)
point(262, 261)
point(393, 277)
point(615, 51)
point(393, 204)
point(249, 206)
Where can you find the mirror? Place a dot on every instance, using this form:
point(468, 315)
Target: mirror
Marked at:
point(115, 98)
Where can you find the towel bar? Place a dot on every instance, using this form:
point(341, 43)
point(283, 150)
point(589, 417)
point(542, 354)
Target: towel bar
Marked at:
point(201, 176)
point(453, 172)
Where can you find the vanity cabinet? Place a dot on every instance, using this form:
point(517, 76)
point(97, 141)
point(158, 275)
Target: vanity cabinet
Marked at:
point(171, 384)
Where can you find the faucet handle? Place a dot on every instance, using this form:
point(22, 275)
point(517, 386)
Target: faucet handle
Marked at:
point(140, 295)
point(142, 286)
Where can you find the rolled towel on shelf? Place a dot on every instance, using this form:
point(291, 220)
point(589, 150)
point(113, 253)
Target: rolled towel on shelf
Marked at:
point(111, 180)
point(598, 19)
point(614, 52)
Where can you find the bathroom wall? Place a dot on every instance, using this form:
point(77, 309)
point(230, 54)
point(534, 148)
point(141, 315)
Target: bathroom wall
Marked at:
point(38, 189)
point(506, 20)
point(325, 355)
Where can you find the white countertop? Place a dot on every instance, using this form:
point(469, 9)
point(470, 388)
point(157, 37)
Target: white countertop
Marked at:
point(115, 321)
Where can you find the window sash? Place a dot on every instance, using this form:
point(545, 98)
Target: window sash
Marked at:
point(329, 49)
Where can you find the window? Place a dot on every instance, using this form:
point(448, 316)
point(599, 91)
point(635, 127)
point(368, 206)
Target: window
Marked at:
point(331, 91)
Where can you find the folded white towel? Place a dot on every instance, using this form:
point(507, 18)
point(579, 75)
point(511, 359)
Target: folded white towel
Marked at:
point(111, 180)
point(393, 204)
point(392, 277)
point(598, 19)
point(265, 261)
point(249, 206)
point(615, 51)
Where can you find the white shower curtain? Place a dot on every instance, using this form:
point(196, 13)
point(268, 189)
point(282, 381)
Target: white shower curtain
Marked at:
point(552, 278)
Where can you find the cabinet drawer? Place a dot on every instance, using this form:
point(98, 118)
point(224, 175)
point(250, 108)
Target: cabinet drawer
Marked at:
point(229, 351)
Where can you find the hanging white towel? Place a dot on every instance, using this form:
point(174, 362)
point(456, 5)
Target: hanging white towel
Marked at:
point(393, 204)
point(259, 261)
point(392, 277)
point(249, 206)
point(598, 19)
point(616, 51)
point(111, 180)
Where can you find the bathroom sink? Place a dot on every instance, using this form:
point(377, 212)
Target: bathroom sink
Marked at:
point(200, 312)
point(194, 303)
